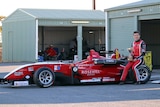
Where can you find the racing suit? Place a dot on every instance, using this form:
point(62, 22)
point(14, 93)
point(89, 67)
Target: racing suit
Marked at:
point(138, 52)
point(51, 52)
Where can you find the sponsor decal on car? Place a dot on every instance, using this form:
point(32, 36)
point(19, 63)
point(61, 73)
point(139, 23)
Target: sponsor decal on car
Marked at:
point(105, 79)
point(110, 60)
point(18, 73)
point(30, 69)
point(91, 80)
point(84, 65)
point(21, 83)
point(90, 72)
point(81, 67)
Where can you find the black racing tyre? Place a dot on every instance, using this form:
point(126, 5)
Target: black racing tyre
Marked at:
point(44, 77)
point(144, 74)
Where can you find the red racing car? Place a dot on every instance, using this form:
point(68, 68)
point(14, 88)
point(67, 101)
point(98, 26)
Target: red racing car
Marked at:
point(94, 69)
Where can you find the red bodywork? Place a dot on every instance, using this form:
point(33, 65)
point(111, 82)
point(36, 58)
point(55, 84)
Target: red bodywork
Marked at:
point(88, 70)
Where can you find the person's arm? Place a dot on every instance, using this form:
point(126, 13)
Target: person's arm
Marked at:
point(131, 50)
point(143, 50)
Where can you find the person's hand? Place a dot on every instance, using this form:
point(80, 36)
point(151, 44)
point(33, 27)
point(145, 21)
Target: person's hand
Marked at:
point(130, 50)
point(134, 60)
point(130, 58)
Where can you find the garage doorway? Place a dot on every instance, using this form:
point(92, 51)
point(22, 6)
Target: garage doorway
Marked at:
point(57, 36)
point(60, 37)
point(93, 38)
point(150, 31)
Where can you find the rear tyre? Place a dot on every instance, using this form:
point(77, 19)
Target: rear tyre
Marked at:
point(144, 74)
point(44, 77)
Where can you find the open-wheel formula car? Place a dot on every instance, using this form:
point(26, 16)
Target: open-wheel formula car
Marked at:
point(94, 69)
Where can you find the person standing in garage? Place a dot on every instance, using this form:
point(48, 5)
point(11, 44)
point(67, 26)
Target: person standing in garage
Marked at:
point(51, 53)
point(137, 53)
point(73, 49)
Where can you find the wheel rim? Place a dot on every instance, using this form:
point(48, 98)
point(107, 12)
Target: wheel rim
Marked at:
point(45, 77)
point(143, 74)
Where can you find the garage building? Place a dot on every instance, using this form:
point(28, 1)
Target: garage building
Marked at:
point(144, 16)
point(26, 31)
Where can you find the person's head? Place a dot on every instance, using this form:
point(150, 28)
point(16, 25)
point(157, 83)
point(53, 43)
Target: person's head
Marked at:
point(75, 39)
point(115, 50)
point(51, 46)
point(136, 35)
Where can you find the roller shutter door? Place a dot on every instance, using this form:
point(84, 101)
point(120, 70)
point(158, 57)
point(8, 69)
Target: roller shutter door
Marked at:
point(121, 33)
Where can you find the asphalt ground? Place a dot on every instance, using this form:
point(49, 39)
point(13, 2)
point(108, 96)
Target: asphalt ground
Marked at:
point(109, 95)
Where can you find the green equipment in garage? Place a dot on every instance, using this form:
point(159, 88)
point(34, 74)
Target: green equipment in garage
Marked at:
point(148, 59)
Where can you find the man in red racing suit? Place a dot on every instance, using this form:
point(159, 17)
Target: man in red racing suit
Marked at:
point(138, 52)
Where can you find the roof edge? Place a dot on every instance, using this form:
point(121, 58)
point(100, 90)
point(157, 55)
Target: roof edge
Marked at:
point(59, 9)
point(15, 11)
point(24, 10)
point(127, 6)
point(75, 19)
point(9, 16)
point(27, 13)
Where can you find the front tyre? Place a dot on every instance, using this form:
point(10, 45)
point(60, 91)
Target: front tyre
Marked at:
point(44, 77)
point(144, 74)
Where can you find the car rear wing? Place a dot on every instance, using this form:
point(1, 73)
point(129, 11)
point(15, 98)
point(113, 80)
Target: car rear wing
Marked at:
point(107, 52)
point(109, 61)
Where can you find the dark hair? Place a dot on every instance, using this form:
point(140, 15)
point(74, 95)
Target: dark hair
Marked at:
point(136, 32)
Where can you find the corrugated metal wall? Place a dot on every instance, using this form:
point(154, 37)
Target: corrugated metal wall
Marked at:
point(18, 15)
point(19, 38)
point(19, 34)
point(121, 30)
point(68, 22)
point(123, 22)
